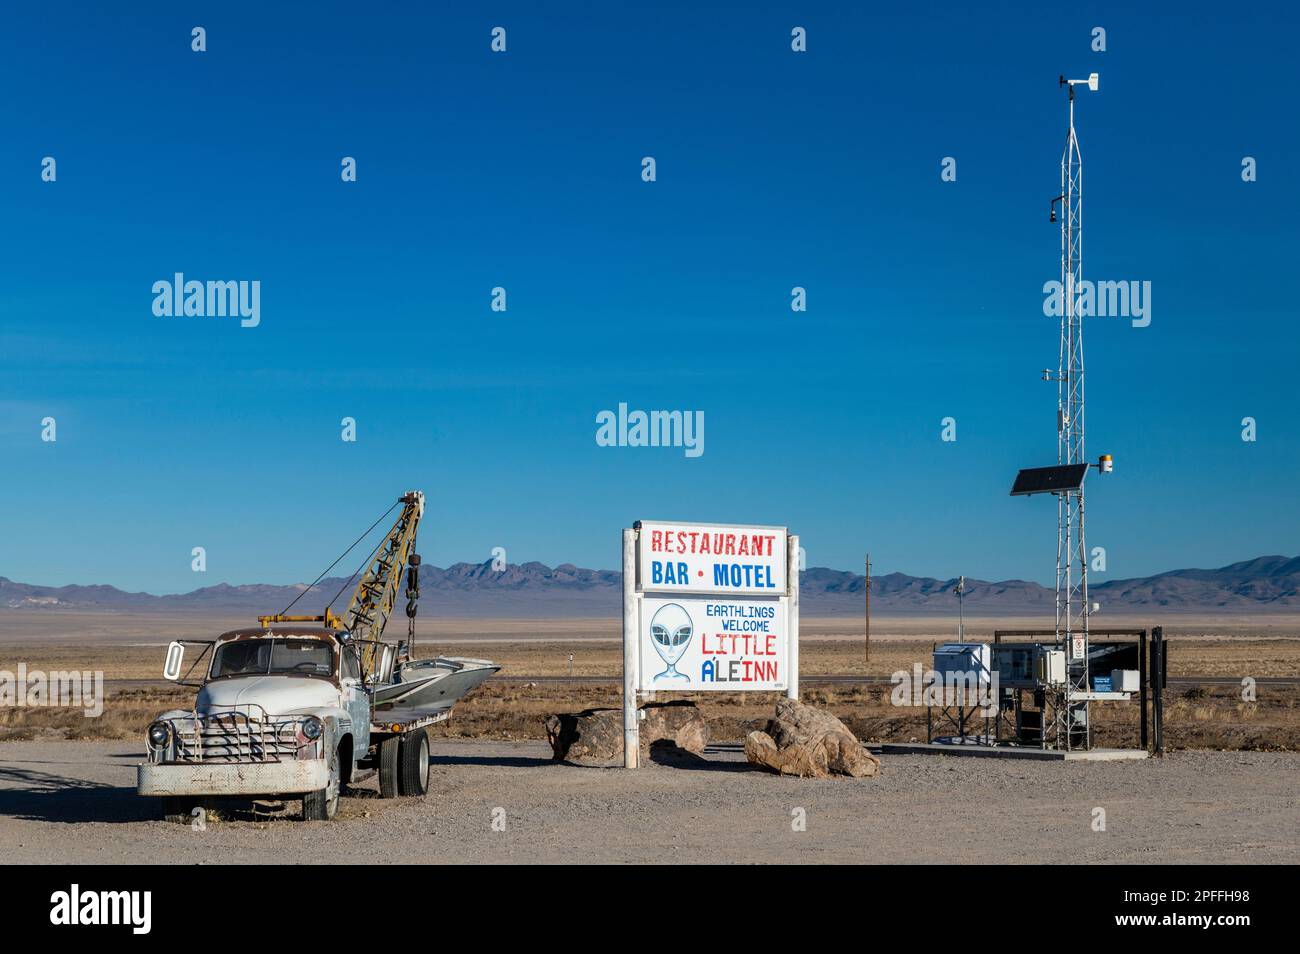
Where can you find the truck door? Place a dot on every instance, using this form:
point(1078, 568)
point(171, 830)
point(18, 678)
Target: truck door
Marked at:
point(356, 700)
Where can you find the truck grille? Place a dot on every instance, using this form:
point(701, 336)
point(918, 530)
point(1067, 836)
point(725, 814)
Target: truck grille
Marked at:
point(237, 736)
point(216, 741)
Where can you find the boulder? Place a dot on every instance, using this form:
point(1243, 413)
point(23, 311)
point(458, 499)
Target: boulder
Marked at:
point(810, 743)
point(596, 735)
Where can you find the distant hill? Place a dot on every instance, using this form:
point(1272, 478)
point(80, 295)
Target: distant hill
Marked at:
point(1265, 584)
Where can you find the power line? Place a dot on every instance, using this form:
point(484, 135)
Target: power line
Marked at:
point(338, 560)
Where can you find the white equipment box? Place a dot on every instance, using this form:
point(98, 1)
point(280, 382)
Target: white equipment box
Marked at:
point(1049, 668)
point(1124, 680)
point(963, 659)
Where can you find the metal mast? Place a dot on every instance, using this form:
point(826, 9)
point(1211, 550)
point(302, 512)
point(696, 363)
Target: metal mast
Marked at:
point(1066, 695)
point(1071, 551)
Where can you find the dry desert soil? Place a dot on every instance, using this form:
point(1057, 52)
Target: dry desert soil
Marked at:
point(74, 802)
point(67, 783)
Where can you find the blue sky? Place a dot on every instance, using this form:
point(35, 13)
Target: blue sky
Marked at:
point(522, 170)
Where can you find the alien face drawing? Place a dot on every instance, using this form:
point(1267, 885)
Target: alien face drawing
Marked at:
point(671, 629)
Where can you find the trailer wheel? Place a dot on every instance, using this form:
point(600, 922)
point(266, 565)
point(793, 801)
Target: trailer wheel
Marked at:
point(179, 811)
point(388, 766)
point(321, 805)
point(414, 777)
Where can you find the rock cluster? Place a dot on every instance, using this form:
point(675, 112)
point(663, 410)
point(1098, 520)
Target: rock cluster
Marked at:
point(810, 743)
point(596, 735)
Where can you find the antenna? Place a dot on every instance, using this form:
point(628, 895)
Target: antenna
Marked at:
point(1065, 480)
point(1071, 551)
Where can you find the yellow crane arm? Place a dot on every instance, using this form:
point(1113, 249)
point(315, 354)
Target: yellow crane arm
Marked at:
point(376, 594)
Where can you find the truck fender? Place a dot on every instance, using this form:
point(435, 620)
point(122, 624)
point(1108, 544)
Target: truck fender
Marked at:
point(338, 723)
point(330, 715)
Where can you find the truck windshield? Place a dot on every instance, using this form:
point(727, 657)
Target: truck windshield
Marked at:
point(283, 655)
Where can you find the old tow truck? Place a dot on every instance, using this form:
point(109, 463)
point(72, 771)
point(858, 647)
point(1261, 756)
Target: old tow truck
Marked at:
point(288, 710)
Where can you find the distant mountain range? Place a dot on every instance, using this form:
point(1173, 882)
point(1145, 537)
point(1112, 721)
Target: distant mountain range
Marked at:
point(1265, 584)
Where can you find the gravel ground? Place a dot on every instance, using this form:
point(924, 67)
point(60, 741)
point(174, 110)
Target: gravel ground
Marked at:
point(75, 802)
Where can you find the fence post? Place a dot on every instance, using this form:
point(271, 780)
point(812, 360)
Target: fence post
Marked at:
point(1158, 687)
point(1143, 675)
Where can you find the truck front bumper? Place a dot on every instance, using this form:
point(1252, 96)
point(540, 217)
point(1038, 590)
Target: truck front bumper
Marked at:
point(289, 777)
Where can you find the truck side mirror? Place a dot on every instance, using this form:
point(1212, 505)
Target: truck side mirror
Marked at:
point(172, 666)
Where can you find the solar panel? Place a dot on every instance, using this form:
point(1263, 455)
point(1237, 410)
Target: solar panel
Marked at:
point(1049, 480)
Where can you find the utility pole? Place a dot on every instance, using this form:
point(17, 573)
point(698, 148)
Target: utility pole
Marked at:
point(961, 615)
point(867, 590)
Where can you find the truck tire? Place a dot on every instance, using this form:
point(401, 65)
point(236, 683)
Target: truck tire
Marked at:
point(178, 811)
point(388, 766)
point(414, 776)
point(320, 805)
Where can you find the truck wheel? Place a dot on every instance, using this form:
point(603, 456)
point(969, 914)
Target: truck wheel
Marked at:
point(321, 805)
point(179, 811)
point(414, 777)
point(388, 766)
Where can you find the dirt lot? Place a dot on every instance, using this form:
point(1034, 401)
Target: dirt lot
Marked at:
point(67, 794)
point(74, 802)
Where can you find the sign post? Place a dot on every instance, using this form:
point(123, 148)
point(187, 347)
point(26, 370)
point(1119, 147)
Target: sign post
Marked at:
point(792, 620)
point(631, 659)
point(707, 607)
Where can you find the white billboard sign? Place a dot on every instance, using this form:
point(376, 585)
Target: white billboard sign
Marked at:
point(696, 643)
point(711, 558)
point(706, 607)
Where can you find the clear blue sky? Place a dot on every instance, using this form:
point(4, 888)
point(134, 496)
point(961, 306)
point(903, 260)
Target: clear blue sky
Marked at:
point(522, 169)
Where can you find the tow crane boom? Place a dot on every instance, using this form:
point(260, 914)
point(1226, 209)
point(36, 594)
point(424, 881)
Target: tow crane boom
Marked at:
point(376, 594)
point(373, 600)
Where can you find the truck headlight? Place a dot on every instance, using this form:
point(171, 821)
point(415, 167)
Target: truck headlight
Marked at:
point(312, 728)
point(159, 734)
